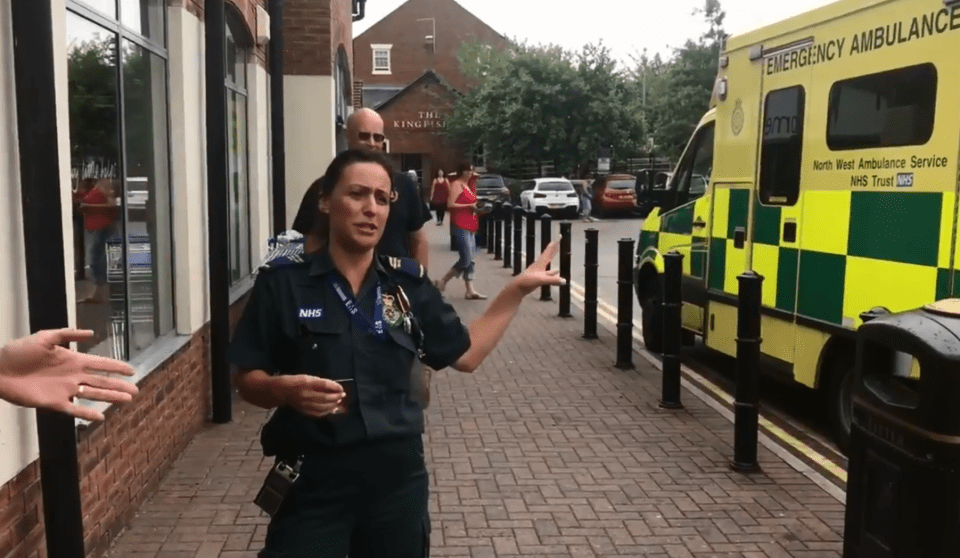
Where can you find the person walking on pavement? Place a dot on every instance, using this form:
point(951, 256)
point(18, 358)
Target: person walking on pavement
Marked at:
point(350, 316)
point(404, 235)
point(439, 189)
point(462, 203)
point(586, 203)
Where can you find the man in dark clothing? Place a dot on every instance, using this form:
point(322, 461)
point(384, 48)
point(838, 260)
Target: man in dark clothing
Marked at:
point(403, 235)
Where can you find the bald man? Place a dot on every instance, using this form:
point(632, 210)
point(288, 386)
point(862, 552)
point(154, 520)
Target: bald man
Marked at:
point(404, 235)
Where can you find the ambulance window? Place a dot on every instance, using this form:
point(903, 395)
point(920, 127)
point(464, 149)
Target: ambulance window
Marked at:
point(693, 174)
point(782, 146)
point(887, 109)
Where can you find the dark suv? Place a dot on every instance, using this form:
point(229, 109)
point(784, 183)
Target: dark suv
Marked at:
point(491, 187)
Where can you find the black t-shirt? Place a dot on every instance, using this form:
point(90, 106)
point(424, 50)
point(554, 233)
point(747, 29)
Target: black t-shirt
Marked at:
point(407, 215)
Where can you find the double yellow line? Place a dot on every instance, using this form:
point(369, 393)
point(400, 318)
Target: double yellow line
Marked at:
point(609, 313)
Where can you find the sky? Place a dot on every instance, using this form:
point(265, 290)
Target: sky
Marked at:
point(626, 26)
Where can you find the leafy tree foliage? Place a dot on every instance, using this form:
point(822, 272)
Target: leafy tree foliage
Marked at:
point(545, 104)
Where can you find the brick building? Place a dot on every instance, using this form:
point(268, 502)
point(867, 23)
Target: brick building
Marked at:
point(126, 82)
point(407, 63)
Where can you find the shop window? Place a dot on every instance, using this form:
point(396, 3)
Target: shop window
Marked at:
point(238, 182)
point(780, 154)
point(381, 59)
point(887, 109)
point(120, 183)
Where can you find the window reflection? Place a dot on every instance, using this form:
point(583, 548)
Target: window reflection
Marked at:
point(149, 260)
point(144, 17)
point(106, 7)
point(238, 184)
point(95, 169)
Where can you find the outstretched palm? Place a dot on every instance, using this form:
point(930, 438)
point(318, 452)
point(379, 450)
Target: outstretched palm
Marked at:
point(537, 274)
point(37, 372)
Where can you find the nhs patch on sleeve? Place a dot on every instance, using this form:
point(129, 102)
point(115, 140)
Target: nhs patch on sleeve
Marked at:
point(310, 313)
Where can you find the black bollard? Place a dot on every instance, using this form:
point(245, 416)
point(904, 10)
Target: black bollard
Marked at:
point(545, 233)
point(625, 305)
point(565, 241)
point(747, 404)
point(531, 238)
point(590, 264)
point(507, 238)
point(489, 236)
point(497, 229)
point(672, 305)
point(517, 239)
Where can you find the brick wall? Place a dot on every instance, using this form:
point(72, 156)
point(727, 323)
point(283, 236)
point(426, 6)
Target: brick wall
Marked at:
point(122, 459)
point(409, 58)
point(248, 8)
point(402, 114)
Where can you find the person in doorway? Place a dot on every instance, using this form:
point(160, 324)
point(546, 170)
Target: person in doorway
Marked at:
point(462, 204)
point(350, 316)
point(439, 189)
point(404, 235)
point(100, 213)
point(38, 372)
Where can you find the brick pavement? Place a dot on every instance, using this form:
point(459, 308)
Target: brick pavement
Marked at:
point(546, 450)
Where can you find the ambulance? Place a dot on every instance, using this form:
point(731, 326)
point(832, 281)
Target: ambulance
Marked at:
point(828, 164)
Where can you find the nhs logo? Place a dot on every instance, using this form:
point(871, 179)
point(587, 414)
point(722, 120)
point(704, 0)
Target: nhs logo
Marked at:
point(311, 313)
point(905, 180)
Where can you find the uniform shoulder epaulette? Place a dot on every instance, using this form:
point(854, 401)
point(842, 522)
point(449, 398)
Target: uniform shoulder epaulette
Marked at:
point(289, 255)
point(407, 266)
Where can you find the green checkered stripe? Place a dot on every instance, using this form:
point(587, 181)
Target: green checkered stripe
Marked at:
point(889, 226)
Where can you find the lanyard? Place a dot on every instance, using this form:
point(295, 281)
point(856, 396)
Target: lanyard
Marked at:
point(374, 326)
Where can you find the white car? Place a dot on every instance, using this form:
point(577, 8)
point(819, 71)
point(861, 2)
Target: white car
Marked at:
point(550, 195)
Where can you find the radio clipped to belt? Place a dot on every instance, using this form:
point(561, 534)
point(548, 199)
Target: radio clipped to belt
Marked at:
point(277, 485)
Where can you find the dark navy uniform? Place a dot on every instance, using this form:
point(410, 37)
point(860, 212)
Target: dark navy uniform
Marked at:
point(363, 474)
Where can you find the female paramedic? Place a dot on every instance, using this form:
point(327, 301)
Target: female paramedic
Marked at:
point(330, 339)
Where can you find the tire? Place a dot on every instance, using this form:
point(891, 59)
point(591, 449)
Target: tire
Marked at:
point(652, 318)
point(839, 398)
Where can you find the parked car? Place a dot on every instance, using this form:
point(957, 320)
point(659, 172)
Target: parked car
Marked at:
point(492, 187)
point(555, 196)
point(614, 193)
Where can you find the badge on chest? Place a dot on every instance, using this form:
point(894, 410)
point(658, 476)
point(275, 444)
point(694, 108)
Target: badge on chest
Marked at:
point(310, 313)
point(391, 311)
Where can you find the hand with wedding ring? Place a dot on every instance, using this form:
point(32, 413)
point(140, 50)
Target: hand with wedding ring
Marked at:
point(37, 371)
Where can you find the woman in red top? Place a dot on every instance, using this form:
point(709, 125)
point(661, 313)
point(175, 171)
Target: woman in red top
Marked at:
point(462, 203)
point(438, 195)
point(100, 212)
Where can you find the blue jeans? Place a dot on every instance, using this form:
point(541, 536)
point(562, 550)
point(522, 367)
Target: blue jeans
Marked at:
point(466, 242)
point(98, 253)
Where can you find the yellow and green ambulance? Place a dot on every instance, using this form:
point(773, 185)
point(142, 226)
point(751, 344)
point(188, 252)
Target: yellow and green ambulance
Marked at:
point(828, 164)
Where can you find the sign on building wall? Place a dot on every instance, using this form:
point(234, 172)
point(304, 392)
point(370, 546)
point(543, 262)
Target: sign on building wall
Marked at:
point(426, 120)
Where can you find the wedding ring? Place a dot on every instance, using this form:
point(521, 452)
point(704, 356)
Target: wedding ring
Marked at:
point(80, 390)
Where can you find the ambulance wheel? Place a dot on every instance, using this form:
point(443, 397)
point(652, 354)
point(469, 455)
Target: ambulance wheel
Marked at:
point(839, 400)
point(652, 318)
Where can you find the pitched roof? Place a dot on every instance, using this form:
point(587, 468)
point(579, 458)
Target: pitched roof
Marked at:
point(427, 76)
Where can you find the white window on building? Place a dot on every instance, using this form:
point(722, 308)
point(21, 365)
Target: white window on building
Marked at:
point(238, 182)
point(381, 58)
point(119, 149)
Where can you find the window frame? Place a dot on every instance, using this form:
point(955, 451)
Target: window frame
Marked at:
point(791, 198)
point(679, 193)
point(830, 141)
point(381, 70)
point(243, 44)
point(121, 34)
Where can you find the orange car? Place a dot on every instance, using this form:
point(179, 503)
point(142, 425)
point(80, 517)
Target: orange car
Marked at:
point(614, 193)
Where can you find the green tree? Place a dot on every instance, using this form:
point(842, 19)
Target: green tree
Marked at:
point(684, 88)
point(544, 104)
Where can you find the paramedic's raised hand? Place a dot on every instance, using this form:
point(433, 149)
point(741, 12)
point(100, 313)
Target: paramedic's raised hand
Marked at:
point(537, 275)
point(36, 371)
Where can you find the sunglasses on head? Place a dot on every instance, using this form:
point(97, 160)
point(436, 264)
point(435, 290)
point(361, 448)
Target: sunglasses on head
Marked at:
point(365, 136)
